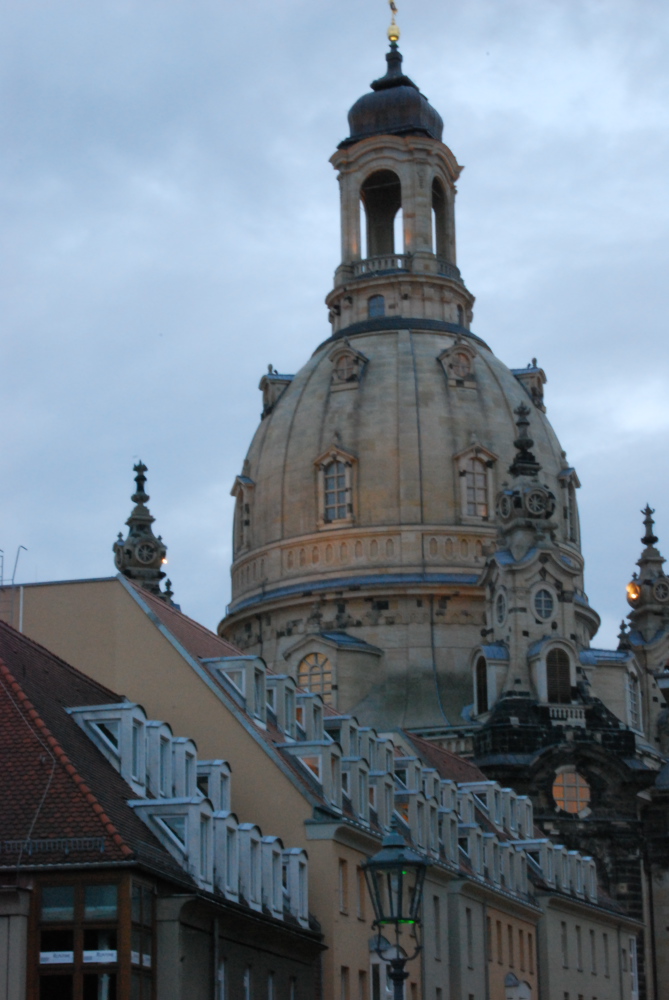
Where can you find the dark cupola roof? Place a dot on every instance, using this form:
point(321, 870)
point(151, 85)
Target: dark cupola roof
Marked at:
point(394, 107)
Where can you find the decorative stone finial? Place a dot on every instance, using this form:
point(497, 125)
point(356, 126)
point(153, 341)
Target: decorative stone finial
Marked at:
point(141, 555)
point(524, 464)
point(623, 638)
point(649, 538)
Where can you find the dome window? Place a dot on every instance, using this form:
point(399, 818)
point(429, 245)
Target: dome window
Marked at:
point(558, 677)
point(335, 488)
point(544, 603)
point(376, 306)
point(458, 363)
point(347, 366)
point(475, 469)
point(314, 674)
point(481, 686)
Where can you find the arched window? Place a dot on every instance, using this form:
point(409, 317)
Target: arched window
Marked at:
point(476, 484)
point(633, 710)
point(376, 306)
point(543, 603)
point(314, 673)
point(558, 677)
point(381, 195)
point(481, 686)
point(439, 224)
point(336, 507)
point(571, 792)
point(461, 316)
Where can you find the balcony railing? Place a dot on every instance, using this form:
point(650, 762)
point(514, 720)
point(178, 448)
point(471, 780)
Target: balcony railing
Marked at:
point(401, 262)
point(567, 715)
point(378, 265)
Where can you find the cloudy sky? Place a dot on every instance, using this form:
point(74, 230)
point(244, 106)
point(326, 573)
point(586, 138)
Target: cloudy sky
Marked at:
point(170, 227)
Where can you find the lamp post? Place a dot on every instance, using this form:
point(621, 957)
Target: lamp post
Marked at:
point(395, 878)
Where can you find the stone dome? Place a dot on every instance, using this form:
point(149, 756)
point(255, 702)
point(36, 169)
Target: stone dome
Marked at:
point(394, 107)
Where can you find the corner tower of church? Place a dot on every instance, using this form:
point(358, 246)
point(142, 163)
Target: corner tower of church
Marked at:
point(367, 507)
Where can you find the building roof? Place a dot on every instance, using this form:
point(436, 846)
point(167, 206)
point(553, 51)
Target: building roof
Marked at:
point(195, 638)
point(447, 764)
point(62, 801)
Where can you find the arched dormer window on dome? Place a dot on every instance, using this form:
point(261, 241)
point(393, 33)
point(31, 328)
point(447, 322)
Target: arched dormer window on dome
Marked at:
point(481, 685)
point(381, 197)
point(558, 677)
point(477, 488)
point(347, 366)
point(457, 362)
point(335, 471)
point(242, 491)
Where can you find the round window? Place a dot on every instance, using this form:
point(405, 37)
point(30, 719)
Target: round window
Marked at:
point(661, 590)
point(536, 502)
point(500, 608)
point(461, 365)
point(146, 553)
point(543, 603)
point(571, 792)
point(504, 506)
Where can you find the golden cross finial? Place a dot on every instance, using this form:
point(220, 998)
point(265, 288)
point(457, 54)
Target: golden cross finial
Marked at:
point(393, 30)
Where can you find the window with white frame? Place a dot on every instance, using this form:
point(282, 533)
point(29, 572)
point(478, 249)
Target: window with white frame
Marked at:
point(335, 507)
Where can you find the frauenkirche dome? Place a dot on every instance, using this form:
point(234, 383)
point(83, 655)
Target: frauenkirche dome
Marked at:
point(368, 505)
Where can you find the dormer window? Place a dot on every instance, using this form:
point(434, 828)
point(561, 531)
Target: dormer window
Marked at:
point(457, 362)
point(633, 704)
point(335, 487)
point(476, 488)
point(558, 677)
point(347, 366)
point(475, 469)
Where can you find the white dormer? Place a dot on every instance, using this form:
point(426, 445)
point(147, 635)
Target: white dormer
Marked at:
point(296, 887)
point(159, 759)
point(356, 772)
point(213, 781)
point(226, 853)
point(382, 796)
point(280, 692)
point(309, 711)
point(184, 827)
point(119, 732)
point(272, 882)
point(245, 677)
point(449, 795)
point(184, 767)
point(250, 864)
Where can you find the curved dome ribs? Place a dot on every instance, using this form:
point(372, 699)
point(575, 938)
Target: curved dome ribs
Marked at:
point(376, 468)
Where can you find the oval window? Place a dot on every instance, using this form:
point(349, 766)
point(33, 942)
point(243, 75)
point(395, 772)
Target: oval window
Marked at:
point(543, 603)
point(571, 792)
point(500, 608)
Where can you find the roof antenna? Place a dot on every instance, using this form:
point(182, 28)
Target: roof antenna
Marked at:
point(16, 561)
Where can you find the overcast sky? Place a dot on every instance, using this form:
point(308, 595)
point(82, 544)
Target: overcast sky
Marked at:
point(169, 226)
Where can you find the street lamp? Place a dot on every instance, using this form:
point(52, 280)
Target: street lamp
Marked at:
point(395, 878)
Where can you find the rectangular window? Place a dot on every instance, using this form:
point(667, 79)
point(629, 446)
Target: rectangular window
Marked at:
point(376, 982)
point(204, 846)
point(247, 983)
point(222, 981)
point(564, 945)
point(362, 986)
point(489, 938)
point(436, 923)
point(470, 938)
point(498, 928)
point(579, 949)
point(530, 953)
point(271, 995)
point(521, 950)
point(593, 954)
point(255, 871)
point(509, 935)
point(190, 774)
point(605, 943)
point(344, 991)
point(438, 993)
point(361, 893)
point(230, 844)
point(343, 886)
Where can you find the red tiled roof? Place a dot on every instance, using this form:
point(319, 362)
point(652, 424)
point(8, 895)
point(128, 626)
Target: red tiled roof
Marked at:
point(54, 782)
point(447, 764)
point(195, 638)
